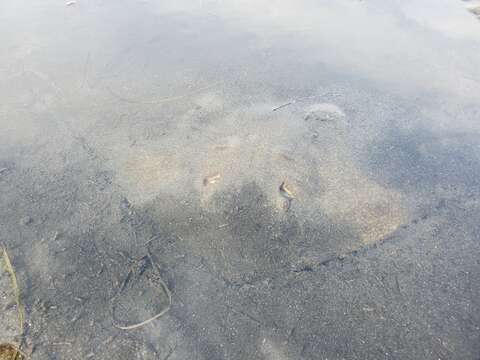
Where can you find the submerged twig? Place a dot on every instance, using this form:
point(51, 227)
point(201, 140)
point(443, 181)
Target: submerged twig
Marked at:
point(16, 290)
point(125, 281)
point(294, 101)
point(164, 286)
point(172, 350)
point(145, 322)
point(166, 291)
point(284, 105)
point(162, 100)
point(85, 70)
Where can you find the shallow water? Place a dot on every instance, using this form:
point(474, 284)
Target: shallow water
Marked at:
point(166, 128)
